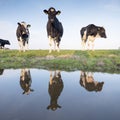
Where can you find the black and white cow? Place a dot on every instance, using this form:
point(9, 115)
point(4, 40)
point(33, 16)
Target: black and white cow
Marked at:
point(87, 81)
point(22, 34)
point(54, 28)
point(90, 33)
point(3, 43)
point(55, 89)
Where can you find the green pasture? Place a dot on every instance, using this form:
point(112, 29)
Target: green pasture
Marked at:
point(69, 60)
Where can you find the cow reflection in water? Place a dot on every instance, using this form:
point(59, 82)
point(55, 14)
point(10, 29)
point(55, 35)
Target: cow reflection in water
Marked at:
point(88, 82)
point(1, 71)
point(25, 81)
point(55, 89)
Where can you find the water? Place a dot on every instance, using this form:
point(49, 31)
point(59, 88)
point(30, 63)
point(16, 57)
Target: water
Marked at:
point(37, 94)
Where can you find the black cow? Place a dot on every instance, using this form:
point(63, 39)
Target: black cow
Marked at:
point(3, 43)
point(22, 34)
point(90, 33)
point(87, 81)
point(54, 28)
point(55, 89)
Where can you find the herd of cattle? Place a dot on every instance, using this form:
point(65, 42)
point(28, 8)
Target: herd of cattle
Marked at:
point(55, 32)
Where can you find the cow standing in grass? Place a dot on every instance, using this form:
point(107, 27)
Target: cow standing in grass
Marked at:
point(90, 33)
point(3, 43)
point(54, 28)
point(22, 34)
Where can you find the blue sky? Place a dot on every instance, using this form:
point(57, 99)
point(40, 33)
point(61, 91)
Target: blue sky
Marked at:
point(75, 14)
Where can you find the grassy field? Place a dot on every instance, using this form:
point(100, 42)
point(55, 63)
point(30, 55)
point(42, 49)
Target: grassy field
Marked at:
point(69, 60)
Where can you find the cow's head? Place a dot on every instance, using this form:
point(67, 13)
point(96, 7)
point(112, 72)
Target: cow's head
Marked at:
point(7, 42)
point(102, 32)
point(51, 12)
point(24, 29)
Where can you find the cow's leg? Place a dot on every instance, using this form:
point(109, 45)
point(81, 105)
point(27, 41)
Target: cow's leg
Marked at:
point(84, 40)
point(83, 43)
point(92, 43)
point(26, 45)
point(91, 40)
point(88, 44)
point(20, 42)
point(58, 49)
point(50, 43)
point(55, 45)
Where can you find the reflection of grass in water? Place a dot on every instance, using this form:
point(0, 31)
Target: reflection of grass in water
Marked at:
point(99, 60)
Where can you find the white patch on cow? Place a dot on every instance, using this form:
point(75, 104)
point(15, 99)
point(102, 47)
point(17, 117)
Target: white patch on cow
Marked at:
point(52, 42)
point(52, 10)
point(97, 36)
point(24, 24)
point(90, 42)
point(84, 36)
point(84, 40)
point(83, 45)
point(22, 47)
point(20, 44)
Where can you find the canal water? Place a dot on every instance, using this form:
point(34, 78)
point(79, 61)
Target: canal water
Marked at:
point(38, 94)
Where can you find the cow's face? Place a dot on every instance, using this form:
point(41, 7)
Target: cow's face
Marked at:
point(7, 42)
point(51, 13)
point(24, 29)
point(102, 32)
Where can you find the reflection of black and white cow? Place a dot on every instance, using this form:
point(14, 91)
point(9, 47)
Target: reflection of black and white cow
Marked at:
point(90, 33)
point(1, 71)
point(3, 43)
point(54, 28)
point(25, 81)
point(22, 34)
point(88, 82)
point(55, 89)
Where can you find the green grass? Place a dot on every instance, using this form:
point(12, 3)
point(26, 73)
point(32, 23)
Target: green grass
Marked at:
point(98, 60)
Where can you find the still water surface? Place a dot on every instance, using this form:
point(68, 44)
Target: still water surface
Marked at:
point(37, 94)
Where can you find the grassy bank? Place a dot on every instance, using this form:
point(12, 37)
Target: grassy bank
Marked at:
point(98, 60)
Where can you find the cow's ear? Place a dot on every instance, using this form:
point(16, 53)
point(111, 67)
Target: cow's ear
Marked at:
point(28, 25)
point(19, 24)
point(58, 12)
point(45, 11)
